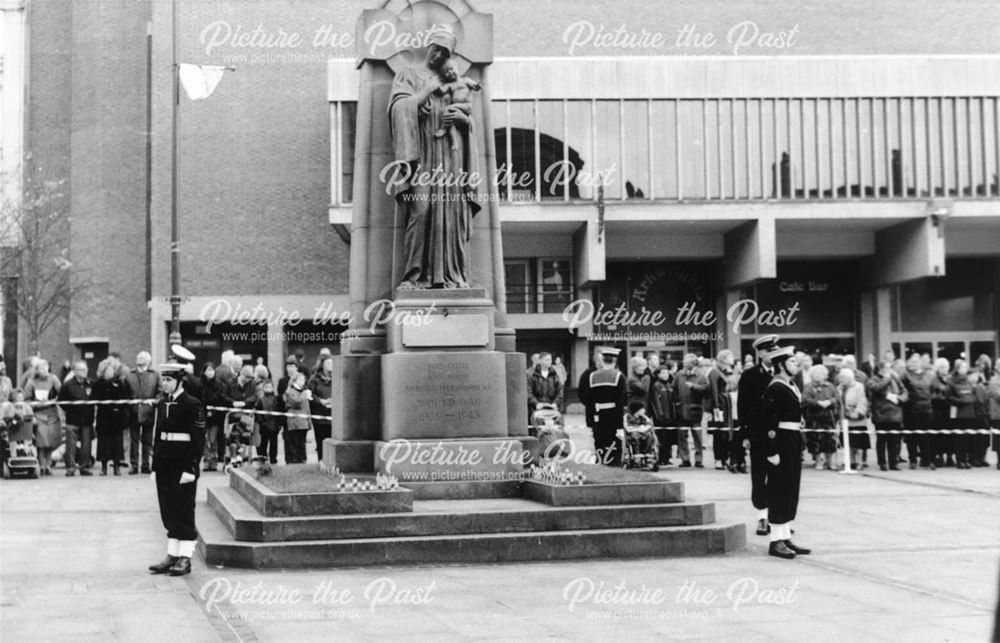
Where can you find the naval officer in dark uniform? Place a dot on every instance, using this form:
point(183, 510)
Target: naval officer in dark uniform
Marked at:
point(606, 393)
point(751, 387)
point(178, 443)
point(781, 415)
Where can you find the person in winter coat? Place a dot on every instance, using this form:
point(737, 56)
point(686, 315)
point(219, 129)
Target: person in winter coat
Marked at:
point(267, 425)
point(689, 388)
point(962, 400)
point(216, 393)
point(638, 381)
point(993, 407)
point(297, 398)
point(979, 442)
point(821, 407)
point(887, 395)
point(717, 404)
point(142, 383)
point(321, 403)
point(854, 407)
point(42, 386)
point(79, 419)
point(663, 412)
point(111, 420)
point(918, 412)
point(944, 443)
point(544, 386)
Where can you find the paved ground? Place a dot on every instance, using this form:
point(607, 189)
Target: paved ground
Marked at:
point(906, 556)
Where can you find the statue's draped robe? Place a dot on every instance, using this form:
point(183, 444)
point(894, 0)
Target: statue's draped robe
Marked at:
point(437, 212)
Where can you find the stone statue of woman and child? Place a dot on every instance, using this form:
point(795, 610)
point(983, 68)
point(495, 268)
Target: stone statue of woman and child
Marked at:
point(430, 115)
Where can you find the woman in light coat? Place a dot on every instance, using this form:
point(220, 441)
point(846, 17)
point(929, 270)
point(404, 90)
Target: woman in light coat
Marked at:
point(854, 408)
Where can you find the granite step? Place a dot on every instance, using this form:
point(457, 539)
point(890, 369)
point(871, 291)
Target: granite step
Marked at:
point(218, 547)
point(449, 517)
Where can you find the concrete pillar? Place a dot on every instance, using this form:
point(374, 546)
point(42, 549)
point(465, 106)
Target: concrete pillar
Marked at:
point(730, 338)
point(883, 320)
point(590, 253)
point(910, 250)
point(867, 341)
point(750, 253)
point(276, 349)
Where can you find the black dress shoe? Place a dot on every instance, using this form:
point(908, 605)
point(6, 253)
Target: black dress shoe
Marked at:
point(882, 467)
point(86, 472)
point(780, 549)
point(698, 465)
point(742, 468)
point(799, 551)
point(894, 468)
point(133, 472)
point(164, 565)
point(181, 567)
point(685, 465)
point(763, 528)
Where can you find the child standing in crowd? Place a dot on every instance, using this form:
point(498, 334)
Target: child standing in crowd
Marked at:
point(663, 409)
point(297, 399)
point(267, 425)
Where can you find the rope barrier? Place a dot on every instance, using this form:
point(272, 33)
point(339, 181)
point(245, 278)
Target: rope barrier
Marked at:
point(153, 402)
point(854, 430)
point(249, 411)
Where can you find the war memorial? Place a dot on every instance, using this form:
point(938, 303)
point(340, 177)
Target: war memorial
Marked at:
point(434, 397)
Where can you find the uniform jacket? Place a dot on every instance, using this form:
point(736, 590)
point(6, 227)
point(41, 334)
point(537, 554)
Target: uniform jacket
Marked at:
point(751, 390)
point(181, 414)
point(75, 390)
point(689, 388)
point(544, 388)
point(142, 386)
point(883, 409)
point(781, 402)
point(607, 387)
point(583, 392)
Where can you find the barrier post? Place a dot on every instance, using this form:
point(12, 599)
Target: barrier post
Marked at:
point(844, 424)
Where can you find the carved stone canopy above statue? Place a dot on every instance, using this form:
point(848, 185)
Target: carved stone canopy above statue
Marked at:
point(398, 33)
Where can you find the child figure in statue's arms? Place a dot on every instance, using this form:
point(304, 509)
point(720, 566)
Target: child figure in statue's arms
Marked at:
point(461, 97)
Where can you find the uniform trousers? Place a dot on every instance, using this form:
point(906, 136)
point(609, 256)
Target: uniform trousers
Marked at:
point(176, 501)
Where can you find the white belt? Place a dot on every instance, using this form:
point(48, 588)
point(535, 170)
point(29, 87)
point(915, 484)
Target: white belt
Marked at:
point(175, 437)
point(600, 406)
point(791, 426)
